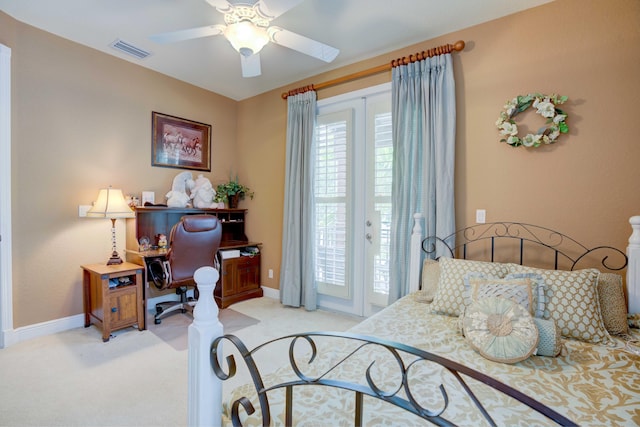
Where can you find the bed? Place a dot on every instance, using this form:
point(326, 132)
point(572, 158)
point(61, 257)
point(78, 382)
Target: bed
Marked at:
point(553, 349)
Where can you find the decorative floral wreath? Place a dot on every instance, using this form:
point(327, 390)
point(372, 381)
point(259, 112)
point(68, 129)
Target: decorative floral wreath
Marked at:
point(545, 105)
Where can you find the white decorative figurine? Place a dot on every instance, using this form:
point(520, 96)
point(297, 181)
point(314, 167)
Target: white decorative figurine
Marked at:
point(203, 193)
point(178, 197)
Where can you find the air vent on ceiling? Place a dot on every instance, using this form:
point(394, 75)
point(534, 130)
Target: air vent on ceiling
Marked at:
point(130, 49)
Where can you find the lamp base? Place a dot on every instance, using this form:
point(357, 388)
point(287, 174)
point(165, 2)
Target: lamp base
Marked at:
point(115, 259)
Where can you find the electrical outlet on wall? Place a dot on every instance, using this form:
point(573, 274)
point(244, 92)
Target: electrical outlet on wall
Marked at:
point(270, 273)
point(481, 216)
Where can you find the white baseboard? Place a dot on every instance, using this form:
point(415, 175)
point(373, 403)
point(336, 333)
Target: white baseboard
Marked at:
point(24, 333)
point(271, 293)
point(36, 330)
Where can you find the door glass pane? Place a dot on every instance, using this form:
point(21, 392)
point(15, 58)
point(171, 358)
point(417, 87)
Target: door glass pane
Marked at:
point(383, 155)
point(331, 190)
point(379, 179)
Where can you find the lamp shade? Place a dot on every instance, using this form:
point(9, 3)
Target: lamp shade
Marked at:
point(110, 204)
point(246, 38)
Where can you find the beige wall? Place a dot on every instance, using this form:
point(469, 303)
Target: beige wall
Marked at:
point(585, 185)
point(81, 120)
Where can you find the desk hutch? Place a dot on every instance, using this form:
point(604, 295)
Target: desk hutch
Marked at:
point(239, 277)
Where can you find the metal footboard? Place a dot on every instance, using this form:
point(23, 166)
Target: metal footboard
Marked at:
point(401, 394)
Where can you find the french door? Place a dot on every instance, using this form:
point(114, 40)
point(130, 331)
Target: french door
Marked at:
point(352, 185)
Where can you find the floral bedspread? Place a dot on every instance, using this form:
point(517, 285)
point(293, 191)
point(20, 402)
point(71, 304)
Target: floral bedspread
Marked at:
point(589, 384)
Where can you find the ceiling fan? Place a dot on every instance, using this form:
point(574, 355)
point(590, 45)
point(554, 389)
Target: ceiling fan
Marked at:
point(248, 31)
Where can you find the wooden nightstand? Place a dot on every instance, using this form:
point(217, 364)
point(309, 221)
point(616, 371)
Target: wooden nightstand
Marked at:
point(113, 296)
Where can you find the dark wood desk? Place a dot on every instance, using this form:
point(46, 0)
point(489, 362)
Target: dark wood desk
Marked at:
point(239, 277)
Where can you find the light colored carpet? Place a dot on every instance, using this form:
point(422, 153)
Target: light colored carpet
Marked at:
point(173, 329)
point(136, 379)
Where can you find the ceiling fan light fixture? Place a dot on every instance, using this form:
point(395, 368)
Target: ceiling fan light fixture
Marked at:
point(246, 38)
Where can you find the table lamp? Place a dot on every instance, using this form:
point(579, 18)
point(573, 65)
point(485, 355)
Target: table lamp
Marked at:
point(111, 204)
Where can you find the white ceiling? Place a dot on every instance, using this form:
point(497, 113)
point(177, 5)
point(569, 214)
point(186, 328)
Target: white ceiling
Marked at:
point(361, 29)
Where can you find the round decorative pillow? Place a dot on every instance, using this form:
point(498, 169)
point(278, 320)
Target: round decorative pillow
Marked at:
point(500, 329)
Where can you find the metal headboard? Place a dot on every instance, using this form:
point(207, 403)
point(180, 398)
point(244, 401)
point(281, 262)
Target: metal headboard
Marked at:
point(560, 245)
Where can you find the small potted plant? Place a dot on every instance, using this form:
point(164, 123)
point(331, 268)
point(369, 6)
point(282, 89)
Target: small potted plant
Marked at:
point(220, 198)
point(232, 192)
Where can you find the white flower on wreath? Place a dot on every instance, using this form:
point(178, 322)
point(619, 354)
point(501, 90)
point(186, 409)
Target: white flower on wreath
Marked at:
point(507, 128)
point(510, 104)
point(530, 140)
point(559, 118)
point(546, 106)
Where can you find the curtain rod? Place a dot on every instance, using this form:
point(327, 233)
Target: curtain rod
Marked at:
point(440, 50)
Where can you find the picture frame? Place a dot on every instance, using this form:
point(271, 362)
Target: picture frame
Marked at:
point(180, 143)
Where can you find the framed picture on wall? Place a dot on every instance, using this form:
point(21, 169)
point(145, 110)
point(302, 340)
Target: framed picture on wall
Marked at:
point(180, 143)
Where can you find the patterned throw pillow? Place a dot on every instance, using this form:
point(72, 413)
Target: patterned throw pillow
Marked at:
point(429, 282)
point(549, 338)
point(572, 302)
point(612, 303)
point(633, 320)
point(448, 298)
point(526, 289)
point(500, 330)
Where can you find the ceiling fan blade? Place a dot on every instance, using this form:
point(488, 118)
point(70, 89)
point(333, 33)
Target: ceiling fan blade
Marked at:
point(302, 44)
point(191, 33)
point(250, 65)
point(274, 8)
point(223, 6)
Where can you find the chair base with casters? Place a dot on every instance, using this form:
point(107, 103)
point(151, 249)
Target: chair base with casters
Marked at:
point(160, 272)
point(165, 308)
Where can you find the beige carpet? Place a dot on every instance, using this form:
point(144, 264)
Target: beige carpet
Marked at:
point(136, 379)
point(173, 329)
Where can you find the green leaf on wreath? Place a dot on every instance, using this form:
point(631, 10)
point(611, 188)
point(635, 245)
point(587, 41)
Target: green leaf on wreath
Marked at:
point(563, 127)
point(524, 106)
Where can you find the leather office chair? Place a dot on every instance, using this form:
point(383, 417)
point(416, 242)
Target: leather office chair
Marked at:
point(193, 243)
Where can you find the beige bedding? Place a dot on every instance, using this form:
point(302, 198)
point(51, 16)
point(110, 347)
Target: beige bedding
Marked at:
point(590, 384)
